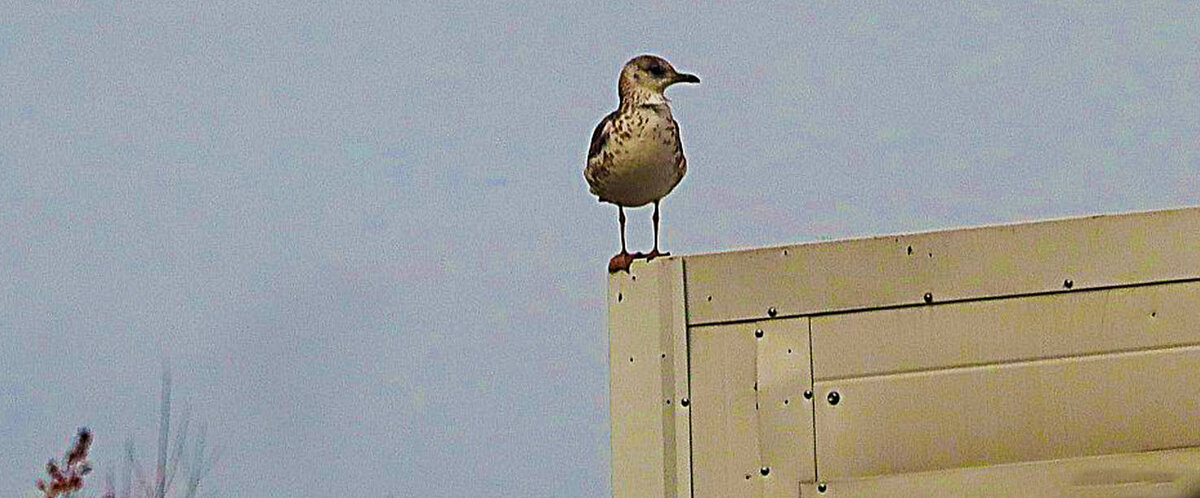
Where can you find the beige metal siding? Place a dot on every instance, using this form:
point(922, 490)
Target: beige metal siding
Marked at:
point(785, 415)
point(1114, 403)
point(1005, 330)
point(949, 265)
point(1162, 474)
point(753, 425)
point(1075, 341)
point(725, 442)
point(650, 436)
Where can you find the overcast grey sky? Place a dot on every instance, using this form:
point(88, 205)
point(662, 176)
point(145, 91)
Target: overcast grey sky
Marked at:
point(360, 232)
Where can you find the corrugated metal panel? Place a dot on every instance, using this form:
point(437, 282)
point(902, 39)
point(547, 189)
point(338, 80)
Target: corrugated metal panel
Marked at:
point(647, 376)
point(753, 424)
point(1005, 330)
point(961, 264)
point(1164, 474)
point(1116, 403)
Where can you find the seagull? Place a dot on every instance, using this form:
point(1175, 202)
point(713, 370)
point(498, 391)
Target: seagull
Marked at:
point(636, 157)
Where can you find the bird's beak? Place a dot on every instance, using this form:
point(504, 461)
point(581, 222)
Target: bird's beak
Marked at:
point(685, 78)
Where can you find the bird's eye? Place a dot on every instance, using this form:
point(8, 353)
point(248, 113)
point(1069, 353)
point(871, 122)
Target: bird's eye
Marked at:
point(657, 70)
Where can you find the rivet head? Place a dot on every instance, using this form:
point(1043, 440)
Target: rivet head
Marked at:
point(771, 312)
point(764, 471)
point(928, 297)
point(684, 402)
point(758, 333)
point(807, 394)
point(1068, 283)
point(821, 488)
point(833, 397)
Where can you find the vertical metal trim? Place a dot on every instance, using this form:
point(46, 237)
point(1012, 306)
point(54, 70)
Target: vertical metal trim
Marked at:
point(687, 345)
point(664, 292)
point(758, 399)
point(813, 400)
point(673, 370)
point(614, 425)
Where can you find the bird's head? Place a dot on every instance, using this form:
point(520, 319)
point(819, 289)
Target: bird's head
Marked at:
point(647, 76)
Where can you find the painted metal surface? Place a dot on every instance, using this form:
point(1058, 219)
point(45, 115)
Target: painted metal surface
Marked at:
point(725, 437)
point(752, 423)
point(950, 265)
point(785, 414)
point(1059, 408)
point(1160, 474)
point(650, 426)
point(1005, 330)
point(942, 361)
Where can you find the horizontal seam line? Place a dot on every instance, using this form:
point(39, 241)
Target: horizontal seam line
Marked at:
point(1040, 359)
point(1130, 484)
point(1081, 459)
point(888, 307)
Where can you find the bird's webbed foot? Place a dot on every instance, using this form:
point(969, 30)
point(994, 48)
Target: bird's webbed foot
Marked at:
point(653, 254)
point(622, 260)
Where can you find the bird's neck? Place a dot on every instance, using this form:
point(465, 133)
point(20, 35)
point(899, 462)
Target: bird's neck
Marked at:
point(638, 97)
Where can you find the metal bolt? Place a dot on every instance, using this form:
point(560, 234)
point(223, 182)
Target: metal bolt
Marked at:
point(928, 297)
point(771, 312)
point(807, 394)
point(821, 488)
point(684, 402)
point(758, 333)
point(764, 471)
point(1068, 283)
point(833, 397)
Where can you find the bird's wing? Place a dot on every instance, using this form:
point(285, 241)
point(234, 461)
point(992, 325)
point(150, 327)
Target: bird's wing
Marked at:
point(601, 134)
point(680, 159)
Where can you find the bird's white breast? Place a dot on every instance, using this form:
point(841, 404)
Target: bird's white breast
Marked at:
point(643, 158)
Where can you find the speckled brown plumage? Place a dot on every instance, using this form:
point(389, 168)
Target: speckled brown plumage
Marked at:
point(636, 156)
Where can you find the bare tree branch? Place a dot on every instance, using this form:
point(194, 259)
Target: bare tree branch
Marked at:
point(164, 434)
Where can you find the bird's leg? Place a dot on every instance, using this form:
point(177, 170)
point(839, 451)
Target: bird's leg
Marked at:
point(621, 219)
point(623, 259)
point(654, 253)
